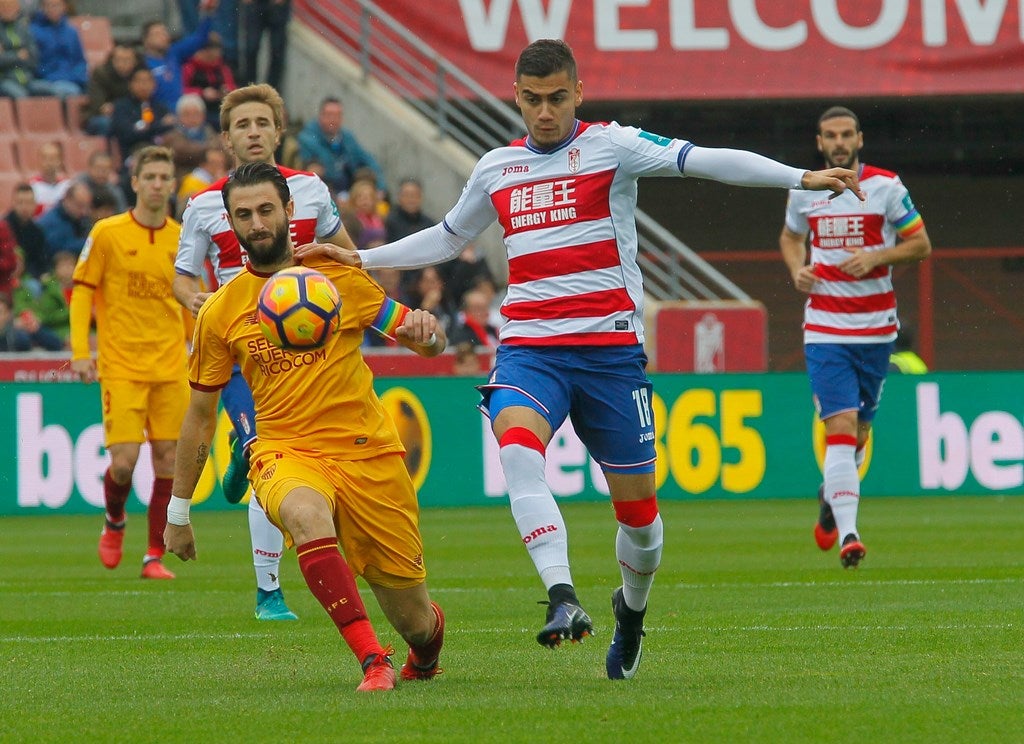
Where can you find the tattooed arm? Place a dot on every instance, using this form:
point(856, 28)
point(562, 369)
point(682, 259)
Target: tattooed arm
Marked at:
point(193, 450)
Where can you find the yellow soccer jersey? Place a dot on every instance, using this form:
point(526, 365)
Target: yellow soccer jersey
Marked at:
point(139, 325)
point(319, 401)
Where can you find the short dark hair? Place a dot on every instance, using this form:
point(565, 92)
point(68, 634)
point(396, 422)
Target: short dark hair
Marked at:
point(251, 174)
point(835, 112)
point(546, 57)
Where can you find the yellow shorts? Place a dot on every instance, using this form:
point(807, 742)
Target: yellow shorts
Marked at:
point(376, 513)
point(140, 411)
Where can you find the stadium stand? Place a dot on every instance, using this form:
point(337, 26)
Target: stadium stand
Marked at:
point(41, 116)
point(96, 35)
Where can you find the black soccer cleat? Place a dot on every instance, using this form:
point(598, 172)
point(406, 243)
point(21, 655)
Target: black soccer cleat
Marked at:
point(623, 659)
point(566, 621)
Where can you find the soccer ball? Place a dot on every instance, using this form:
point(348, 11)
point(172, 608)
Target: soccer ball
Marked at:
point(298, 309)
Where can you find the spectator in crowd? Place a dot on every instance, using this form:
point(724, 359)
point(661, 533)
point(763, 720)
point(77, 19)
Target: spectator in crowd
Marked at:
point(213, 168)
point(12, 336)
point(61, 66)
point(462, 273)
point(27, 306)
point(406, 216)
point(207, 75)
point(467, 361)
point(268, 17)
point(362, 200)
point(225, 24)
point(67, 225)
point(191, 136)
point(426, 290)
point(326, 141)
point(166, 59)
point(51, 182)
point(473, 322)
point(8, 259)
point(100, 176)
point(138, 118)
point(103, 205)
point(27, 234)
point(107, 83)
point(18, 53)
point(53, 293)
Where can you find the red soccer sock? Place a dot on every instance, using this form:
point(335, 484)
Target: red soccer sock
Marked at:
point(115, 496)
point(157, 515)
point(330, 580)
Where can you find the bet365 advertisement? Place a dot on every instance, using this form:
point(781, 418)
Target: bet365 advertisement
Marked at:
point(718, 436)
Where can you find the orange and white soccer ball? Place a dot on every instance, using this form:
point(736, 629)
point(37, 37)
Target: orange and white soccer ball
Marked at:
point(298, 309)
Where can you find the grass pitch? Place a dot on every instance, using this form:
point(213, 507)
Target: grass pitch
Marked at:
point(753, 635)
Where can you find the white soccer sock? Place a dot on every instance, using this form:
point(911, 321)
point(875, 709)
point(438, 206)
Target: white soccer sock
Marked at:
point(859, 455)
point(639, 552)
point(267, 547)
point(842, 487)
point(536, 513)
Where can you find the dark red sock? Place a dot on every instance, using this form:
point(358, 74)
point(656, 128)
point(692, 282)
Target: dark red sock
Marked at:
point(157, 515)
point(330, 579)
point(116, 496)
point(427, 653)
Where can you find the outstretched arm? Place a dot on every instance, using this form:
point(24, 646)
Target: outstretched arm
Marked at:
point(427, 247)
point(743, 168)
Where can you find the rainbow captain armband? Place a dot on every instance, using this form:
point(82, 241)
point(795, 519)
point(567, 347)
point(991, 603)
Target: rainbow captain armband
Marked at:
point(909, 224)
point(389, 317)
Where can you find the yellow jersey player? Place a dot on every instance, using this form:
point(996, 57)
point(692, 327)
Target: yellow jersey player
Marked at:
point(327, 462)
point(124, 274)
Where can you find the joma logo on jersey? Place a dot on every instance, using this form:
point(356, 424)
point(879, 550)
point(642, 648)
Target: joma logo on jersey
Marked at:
point(538, 532)
point(515, 169)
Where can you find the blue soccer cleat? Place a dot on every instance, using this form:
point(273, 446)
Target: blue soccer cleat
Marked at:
point(624, 654)
point(271, 606)
point(565, 622)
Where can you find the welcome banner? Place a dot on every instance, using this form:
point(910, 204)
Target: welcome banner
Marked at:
point(724, 49)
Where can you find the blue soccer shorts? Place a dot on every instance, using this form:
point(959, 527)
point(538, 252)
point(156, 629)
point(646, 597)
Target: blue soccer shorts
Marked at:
point(603, 390)
point(238, 402)
point(847, 377)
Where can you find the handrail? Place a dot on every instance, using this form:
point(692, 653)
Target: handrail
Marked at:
point(466, 112)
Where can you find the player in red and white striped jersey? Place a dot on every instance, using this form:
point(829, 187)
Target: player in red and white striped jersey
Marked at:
point(571, 344)
point(850, 318)
point(252, 119)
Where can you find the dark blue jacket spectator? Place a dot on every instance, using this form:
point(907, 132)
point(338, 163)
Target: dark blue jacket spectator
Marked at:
point(66, 225)
point(61, 57)
point(166, 59)
point(325, 141)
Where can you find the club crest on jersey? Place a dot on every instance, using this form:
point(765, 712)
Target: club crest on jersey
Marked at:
point(574, 160)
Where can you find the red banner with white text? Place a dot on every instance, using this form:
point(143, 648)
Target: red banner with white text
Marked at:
point(714, 49)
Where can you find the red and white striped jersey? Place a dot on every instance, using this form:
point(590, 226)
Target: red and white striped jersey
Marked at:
point(206, 234)
point(569, 230)
point(842, 309)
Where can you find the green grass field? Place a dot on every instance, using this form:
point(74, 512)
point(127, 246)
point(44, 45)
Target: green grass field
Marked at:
point(753, 635)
